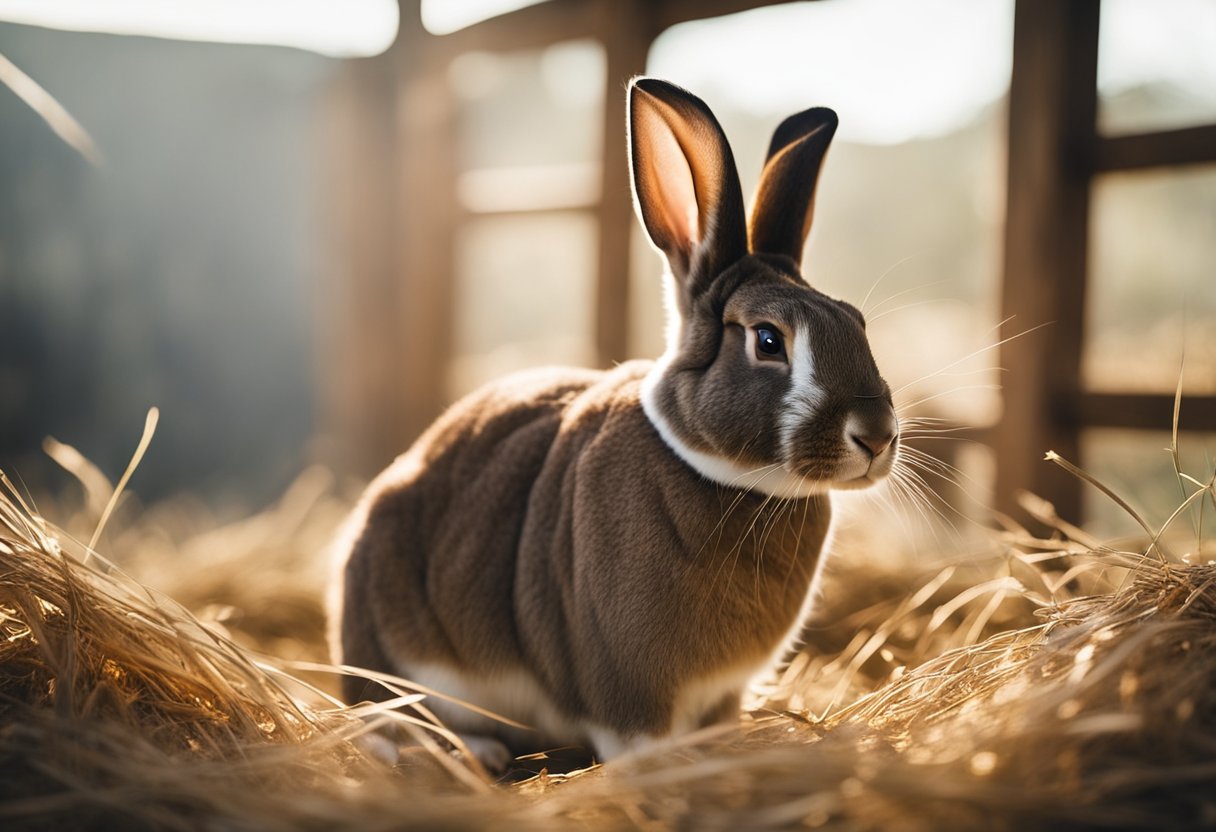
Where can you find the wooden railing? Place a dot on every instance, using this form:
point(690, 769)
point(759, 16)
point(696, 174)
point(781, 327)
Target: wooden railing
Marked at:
point(397, 195)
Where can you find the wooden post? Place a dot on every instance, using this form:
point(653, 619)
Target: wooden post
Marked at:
point(386, 306)
point(626, 32)
point(357, 378)
point(424, 233)
point(1052, 102)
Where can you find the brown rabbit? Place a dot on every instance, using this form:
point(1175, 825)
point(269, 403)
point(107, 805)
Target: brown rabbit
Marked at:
point(609, 557)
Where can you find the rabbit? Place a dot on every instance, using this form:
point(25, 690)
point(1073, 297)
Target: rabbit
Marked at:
point(607, 558)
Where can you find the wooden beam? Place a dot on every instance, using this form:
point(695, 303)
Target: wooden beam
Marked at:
point(532, 27)
point(1189, 146)
point(1052, 104)
point(670, 12)
point(1145, 411)
point(527, 190)
point(543, 24)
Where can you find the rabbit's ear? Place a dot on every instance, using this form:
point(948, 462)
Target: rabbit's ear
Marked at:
point(686, 189)
point(785, 198)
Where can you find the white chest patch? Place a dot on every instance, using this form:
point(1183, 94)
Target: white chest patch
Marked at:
point(514, 694)
point(773, 480)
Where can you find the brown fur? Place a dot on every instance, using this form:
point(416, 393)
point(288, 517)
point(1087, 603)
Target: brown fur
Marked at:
point(585, 531)
point(513, 584)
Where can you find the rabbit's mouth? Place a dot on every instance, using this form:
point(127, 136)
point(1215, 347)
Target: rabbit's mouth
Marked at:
point(866, 480)
point(857, 483)
point(849, 474)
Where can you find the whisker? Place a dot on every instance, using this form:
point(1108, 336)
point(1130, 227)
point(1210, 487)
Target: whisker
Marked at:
point(900, 294)
point(927, 498)
point(901, 308)
point(969, 494)
point(884, 275)
point(737, 550)
point(765, 536)
point(905, 509)
point(767, 469)
point(946, 473)
point(944, 393)
point(918, 455)
point(806, 505)
point(971, 355)
point(917, 420)
point(929, 424)
point(943, 470)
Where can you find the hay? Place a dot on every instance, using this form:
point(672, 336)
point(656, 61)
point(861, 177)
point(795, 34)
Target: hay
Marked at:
point(119, 709)
point(1003, 700)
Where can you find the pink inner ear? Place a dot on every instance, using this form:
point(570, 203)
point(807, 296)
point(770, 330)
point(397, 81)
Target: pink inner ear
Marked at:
point(677, 194)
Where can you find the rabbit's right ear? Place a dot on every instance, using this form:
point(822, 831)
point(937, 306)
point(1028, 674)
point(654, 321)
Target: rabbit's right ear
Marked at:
point(685, 185)
point(785, 198)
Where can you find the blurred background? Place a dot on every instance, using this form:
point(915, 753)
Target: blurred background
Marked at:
point(310, 226)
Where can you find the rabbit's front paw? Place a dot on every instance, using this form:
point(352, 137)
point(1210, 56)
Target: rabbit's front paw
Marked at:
point(492, 754)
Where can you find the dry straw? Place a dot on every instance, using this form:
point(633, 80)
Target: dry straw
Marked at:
point(1012, 701)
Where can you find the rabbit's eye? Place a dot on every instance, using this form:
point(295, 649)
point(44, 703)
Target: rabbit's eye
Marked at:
point(769, 346)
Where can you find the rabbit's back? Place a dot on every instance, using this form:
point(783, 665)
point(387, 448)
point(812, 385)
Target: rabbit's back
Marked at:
point(430, 570)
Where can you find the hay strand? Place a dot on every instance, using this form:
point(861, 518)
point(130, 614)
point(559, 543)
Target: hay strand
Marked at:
point(955, 699)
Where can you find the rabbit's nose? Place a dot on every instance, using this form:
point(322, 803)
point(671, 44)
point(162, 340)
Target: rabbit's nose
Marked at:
point(873, 443)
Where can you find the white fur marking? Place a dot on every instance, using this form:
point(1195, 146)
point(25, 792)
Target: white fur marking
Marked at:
point(805, 395)
point(697, 697)
point(775, 481)
point(492, 754)
point(671, 304)
point(514, 694)
point(609, 744)
point(800, 403)
point(517, 695)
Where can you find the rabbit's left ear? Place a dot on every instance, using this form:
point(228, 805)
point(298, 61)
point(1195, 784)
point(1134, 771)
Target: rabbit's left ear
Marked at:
point(785, 198)
point(685, 185)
